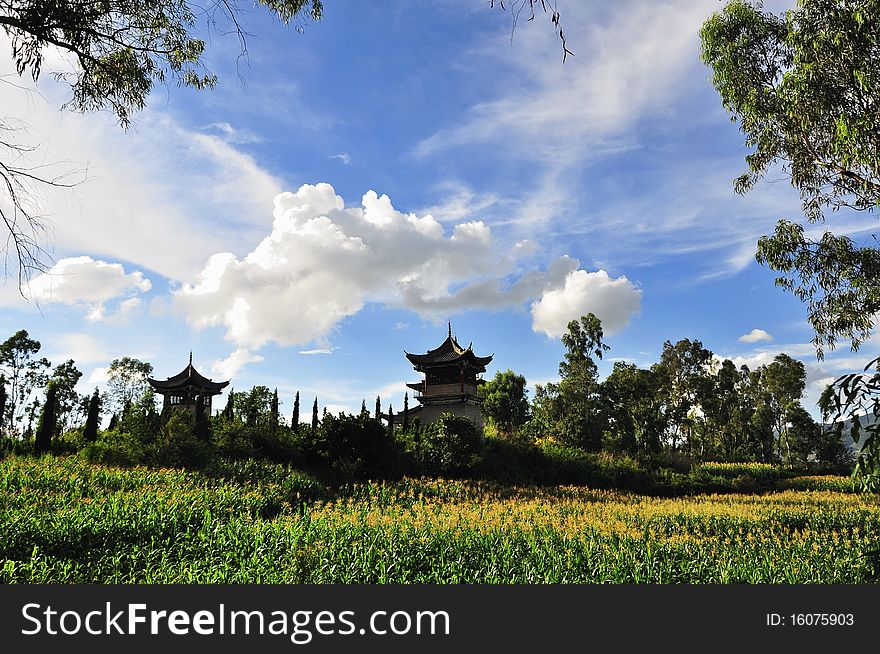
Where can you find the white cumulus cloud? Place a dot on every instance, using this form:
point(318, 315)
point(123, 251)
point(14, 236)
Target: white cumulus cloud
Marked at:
point(323, 262)
point(89, 283)
point(613, 301)
point(230, 366)
point(755, 336)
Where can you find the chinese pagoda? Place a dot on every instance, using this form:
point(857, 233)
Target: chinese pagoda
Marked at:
point(187, 390)
point(450, 383)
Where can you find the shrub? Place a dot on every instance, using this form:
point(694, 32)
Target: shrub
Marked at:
point(448, 446)
point(232, 438)
point(507, 460)
point(351, 446)
point(141, 438)
point(12, 445)
point(178, 445)
point(115, 448)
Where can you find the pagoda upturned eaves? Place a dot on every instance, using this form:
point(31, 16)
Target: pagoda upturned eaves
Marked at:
point(449, 353)
point(188, 377)
point(188, 388)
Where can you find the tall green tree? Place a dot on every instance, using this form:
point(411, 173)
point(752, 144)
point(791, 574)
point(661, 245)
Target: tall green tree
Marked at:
point(390, 420)
point(3, 400)
point(23, 370)
point(229, 409)
point(633, 406)
point(273, 411)
point(783, 381)
point(47, 426)
point(725, 407)
point(127, 381)
point(294, 418)
point(378, 408)
point(315, 416)
point(66, 376)
point(505, 400)
point(573, 407)
point(255, 406)
point(804, 88)
point(405, 425)
point(684, 374)
point(804, 435)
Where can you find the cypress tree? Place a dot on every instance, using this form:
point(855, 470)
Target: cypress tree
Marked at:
point(229, 411)
point(114, 421)
point(405, 411)
point(273, 411)
point(315, 416)
point(90, 433)
point(378, 408)
point(3, 399)
point(201, 428)
point(390, 420)
point(294, 419)
point(364, 412)
point(46, 426)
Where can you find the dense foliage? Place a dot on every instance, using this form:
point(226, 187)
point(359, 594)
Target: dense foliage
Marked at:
point(804, 87)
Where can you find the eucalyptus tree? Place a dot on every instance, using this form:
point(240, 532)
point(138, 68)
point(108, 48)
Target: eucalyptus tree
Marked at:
point(24, 372)
point(127, 381)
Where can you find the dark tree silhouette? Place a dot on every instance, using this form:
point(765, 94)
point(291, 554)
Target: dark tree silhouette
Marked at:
point(273, 411)
point(315, 416)
point(229, 410)
point(405, 411)
point(90, 432)
point(2, 401)
point(46, 427)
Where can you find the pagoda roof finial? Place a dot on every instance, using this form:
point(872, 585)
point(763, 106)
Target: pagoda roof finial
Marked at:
point(450, 329)
point(190, 357)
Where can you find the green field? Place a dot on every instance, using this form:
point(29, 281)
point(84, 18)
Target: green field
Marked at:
point(64, 520)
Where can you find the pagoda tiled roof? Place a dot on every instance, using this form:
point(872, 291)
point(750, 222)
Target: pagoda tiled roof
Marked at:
point(189, 376)
point(449, 352)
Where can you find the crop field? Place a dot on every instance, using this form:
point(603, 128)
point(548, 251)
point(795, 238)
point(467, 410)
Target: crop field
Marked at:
point(63, 520)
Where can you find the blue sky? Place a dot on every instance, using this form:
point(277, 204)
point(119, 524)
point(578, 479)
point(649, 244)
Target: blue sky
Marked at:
point(346, 191)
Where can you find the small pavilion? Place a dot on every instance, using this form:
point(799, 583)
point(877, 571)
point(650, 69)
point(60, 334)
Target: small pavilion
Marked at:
point(451, 378)
point(188, 389)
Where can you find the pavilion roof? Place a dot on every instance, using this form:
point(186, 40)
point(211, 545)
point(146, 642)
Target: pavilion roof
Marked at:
point(188, 377)
point(449, 353)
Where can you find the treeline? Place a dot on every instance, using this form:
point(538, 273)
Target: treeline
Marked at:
point(688, 407)
point(690, 403)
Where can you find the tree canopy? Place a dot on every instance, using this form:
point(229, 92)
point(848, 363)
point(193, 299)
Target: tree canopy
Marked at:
point(505, 400)
point(127, 381)
point(804, 88)
point(123, 47)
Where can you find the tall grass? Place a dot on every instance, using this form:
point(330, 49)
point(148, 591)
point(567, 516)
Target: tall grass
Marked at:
point(63, 520)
